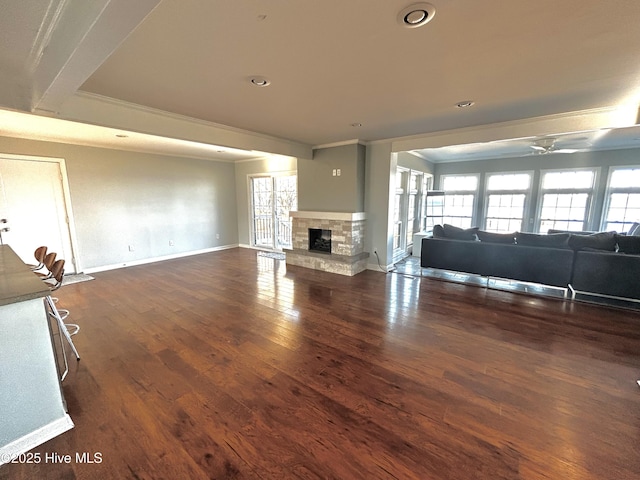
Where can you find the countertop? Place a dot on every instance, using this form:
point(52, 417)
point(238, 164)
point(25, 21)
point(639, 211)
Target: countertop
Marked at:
point(17, 282)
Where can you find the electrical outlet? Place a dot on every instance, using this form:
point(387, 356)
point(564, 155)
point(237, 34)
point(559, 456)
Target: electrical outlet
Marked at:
point(132, 248)
point(217, 236)
point(335, 172)
point(171, 243)
point(338, 172)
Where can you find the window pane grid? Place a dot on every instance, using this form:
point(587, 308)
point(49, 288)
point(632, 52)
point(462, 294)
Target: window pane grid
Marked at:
point(623, 199)
point(563, 211)
point(509, 182)
point(624, 210)
point(505, 212)
point(565, 200)
point(459, 200)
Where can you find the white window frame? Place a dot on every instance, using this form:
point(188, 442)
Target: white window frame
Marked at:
point(427, 185)
point(588, 216)
point(610, 191)
point(527, 198)
point(450, 193)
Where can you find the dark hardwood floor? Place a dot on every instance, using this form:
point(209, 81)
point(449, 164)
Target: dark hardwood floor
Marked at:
point(232, 365)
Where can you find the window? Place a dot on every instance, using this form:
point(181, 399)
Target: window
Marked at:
point(565, 200)
point(426, 210)
point(415, 183)
point(507, 198)
point(459, 199)
point(623, 199)
point(433, 209)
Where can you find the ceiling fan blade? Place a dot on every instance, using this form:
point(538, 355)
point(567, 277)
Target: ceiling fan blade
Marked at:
point(566, 150)
point(539, 148)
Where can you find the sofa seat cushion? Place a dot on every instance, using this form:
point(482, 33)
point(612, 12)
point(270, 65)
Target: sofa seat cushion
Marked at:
point(597, 241)
point(492, 237)
point(556, 240)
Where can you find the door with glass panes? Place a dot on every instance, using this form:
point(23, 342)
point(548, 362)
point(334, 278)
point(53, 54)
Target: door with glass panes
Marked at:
point(272, 198)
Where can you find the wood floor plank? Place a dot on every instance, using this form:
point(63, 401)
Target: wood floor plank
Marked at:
point(231, 365)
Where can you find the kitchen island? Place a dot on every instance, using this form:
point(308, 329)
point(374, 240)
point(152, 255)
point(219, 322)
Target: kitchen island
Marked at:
point(32, 406)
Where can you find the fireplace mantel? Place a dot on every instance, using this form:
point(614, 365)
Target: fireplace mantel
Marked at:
point(344, 216)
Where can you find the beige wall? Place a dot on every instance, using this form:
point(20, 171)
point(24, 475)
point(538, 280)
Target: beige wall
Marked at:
point(123, 198)
point(320, 191)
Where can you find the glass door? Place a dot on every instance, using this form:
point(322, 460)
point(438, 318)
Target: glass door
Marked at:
point(272, 198)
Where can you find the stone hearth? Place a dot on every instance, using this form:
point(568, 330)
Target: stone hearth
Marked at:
point(347, 256)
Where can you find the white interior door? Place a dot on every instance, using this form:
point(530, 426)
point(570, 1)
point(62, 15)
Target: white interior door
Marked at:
point(32, 201)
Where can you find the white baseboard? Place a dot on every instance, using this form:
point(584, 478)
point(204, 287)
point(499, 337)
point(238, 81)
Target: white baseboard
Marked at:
point(144, 261)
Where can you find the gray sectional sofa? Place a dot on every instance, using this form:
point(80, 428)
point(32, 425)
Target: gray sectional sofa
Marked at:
point(600, 265)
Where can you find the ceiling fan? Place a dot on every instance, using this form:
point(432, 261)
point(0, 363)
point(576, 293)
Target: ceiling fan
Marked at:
point(547, 145)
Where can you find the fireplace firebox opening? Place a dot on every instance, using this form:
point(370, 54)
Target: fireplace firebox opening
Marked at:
point(320, 240)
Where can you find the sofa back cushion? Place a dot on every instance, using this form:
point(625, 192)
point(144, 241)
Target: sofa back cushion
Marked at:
point(491, 237)
point(595, 241)
point(438, 231)
point(458, 233)
point(555, 240)
point(627, 244)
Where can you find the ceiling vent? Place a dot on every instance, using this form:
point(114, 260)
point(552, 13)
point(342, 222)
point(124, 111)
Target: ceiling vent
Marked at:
point(416, 15)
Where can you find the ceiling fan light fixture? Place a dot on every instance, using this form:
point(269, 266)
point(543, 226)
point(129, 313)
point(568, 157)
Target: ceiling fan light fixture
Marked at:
point(416, 15)
point(544, 143)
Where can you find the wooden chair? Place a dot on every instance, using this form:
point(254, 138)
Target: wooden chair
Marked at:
point(55, 282)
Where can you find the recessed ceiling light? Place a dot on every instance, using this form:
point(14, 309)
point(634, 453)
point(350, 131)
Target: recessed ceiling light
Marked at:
point(259, 81)
point(416, 15)
point(465, 103)
point(356, 124)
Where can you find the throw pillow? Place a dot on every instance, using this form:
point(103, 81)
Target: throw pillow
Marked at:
point(438, 231)
point(458, 233)
point(596, 241)
point(491, 237)
point(574, 232)
point(558, 240)
point(627, 244)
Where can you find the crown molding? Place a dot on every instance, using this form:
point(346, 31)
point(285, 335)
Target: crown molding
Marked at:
point(353, 141)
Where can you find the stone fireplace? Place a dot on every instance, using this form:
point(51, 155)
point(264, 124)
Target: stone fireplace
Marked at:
point(328, 241)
